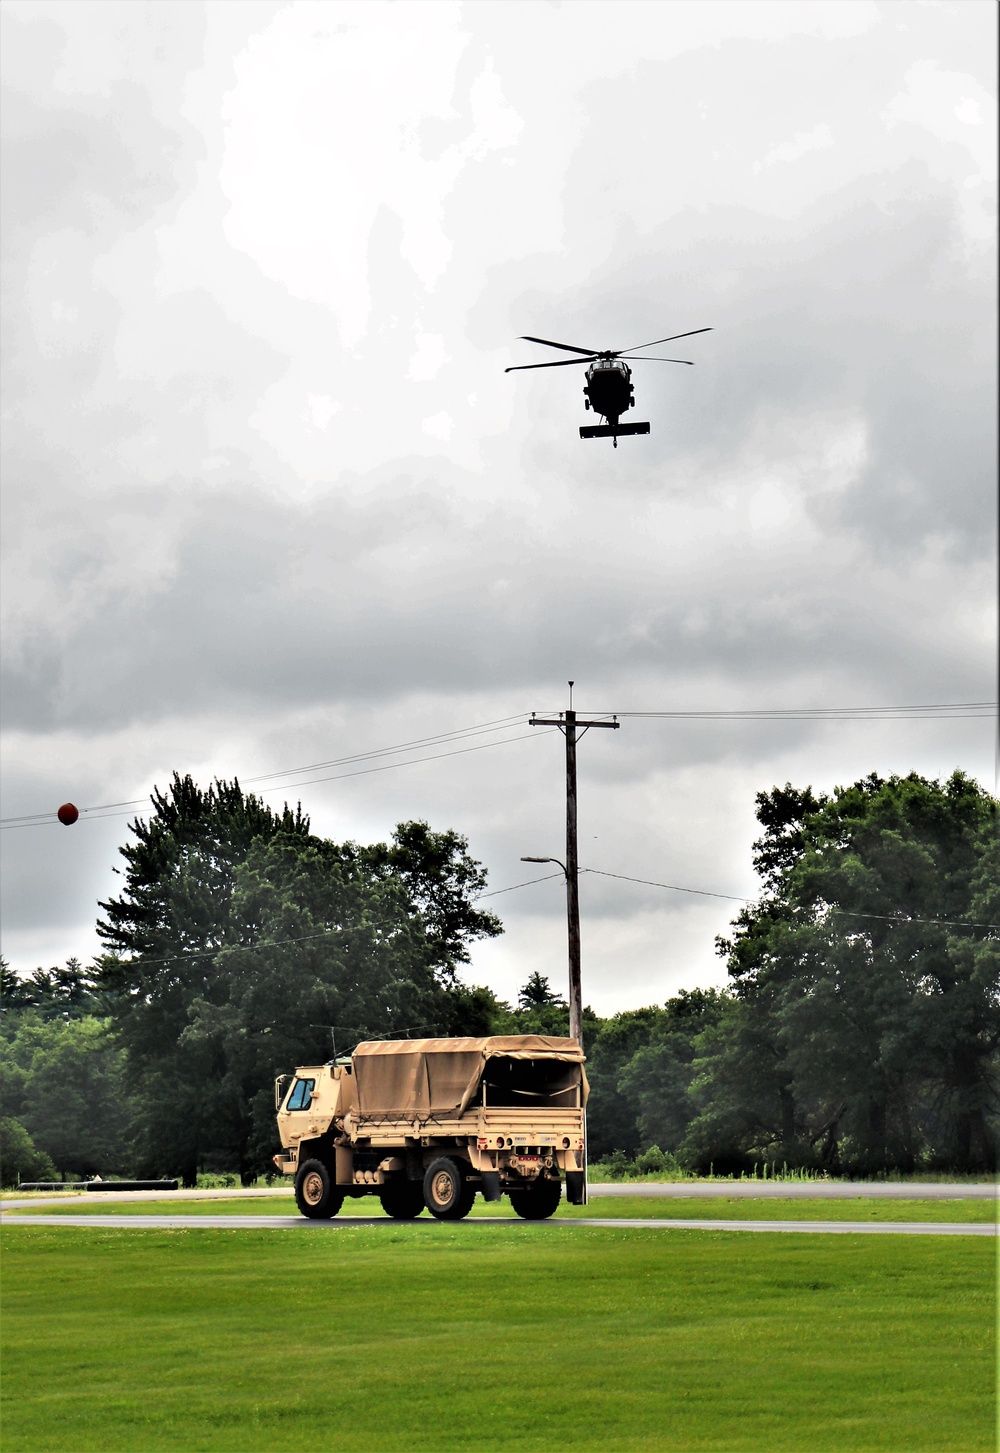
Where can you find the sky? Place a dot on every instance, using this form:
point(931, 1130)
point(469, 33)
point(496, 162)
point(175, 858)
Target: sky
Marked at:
point(270, 499)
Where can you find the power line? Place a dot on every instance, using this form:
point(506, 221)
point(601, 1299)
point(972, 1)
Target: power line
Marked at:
point(939, 711)
point(702, 892)
point(934, 711)
point(493, 893)
point(459, 733)
point(844, 912)
point(105, 810)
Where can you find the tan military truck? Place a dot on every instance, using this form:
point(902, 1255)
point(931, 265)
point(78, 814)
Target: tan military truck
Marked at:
point(429, 1122)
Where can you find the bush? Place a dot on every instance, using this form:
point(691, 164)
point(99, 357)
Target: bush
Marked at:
point(655, 1161)
point(618, 1165)
point(19, 1160)
point(652, 1162)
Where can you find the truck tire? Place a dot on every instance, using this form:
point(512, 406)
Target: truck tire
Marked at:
point(447, 1194)
point(403, 1201)
point(537, 1203)
point(315, 1193)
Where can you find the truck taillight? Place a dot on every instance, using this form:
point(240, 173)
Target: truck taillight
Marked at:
point(499, 1141)
point(482, 1142)
point(565, 1142)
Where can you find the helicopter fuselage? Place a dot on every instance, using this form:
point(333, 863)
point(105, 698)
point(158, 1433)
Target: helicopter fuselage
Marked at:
point(608, 389)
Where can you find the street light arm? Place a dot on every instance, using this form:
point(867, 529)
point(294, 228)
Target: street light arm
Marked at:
point(547, 860)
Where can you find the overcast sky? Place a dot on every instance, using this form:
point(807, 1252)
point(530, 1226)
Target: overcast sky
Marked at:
point(271, 500)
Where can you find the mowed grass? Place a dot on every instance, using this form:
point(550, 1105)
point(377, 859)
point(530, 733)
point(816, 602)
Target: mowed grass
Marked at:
point(495, 1337)
point(612, 1208)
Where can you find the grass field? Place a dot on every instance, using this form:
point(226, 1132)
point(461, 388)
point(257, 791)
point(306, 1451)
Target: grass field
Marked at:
point(385, 1338)
point(618, 1208)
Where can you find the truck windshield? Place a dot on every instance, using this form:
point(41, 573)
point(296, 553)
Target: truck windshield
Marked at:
point(300, 1095)
point(526, 1082)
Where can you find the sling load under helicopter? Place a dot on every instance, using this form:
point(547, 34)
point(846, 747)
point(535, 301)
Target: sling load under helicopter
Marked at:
point(608, 390)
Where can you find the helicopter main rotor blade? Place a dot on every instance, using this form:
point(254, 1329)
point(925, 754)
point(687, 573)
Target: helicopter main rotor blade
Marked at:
point(568, 347)
point(651, 358)
point(673, 337)
point(556, 363)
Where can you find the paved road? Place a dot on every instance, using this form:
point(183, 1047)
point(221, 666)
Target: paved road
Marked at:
point(346, 1223)
point(685, 1190)
point(804, 1190)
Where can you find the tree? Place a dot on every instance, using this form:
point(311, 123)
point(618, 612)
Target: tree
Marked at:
point(536, 994)
point(613, 1115)
point(62, 1081)
point(868, 1015)
point(441, 882)
point(657, 1078)
point(19, 1159)
point(244, 945)
point(66, 993)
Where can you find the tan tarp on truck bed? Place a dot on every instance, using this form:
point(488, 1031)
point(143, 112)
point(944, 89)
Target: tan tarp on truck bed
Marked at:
point(407, 1077)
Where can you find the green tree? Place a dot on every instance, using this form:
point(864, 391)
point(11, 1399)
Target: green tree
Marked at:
point(63, 1081)
point(537, 994)
point(244, 945)
point(657, 1078)
point(868, 1015)
point(56, 993)
point(613, 1114)
point(19, 1158)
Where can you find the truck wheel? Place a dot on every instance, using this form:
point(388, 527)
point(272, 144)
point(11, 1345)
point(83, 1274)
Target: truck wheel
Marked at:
point(447, 1194)
point(403, 1202)
point(538, 1203)
point(315, 1194)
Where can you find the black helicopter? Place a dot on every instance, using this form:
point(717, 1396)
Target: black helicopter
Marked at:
point(608, 390)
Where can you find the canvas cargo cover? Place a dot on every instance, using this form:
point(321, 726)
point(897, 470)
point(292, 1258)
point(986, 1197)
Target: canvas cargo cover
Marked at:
point(407, 1077)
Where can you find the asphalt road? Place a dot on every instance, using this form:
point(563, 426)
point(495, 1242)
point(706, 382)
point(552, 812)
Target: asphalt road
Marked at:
point(683, 1190)
point(346, 1223)
point(803, 1190)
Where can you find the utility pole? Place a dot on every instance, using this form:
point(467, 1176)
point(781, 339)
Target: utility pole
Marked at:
point(572, 729)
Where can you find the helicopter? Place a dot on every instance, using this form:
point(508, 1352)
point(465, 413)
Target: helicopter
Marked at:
point(608, 390)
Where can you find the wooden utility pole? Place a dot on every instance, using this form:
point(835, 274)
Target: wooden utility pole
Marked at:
point(572, 729)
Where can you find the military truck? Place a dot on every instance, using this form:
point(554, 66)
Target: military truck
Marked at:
point(432, 1122)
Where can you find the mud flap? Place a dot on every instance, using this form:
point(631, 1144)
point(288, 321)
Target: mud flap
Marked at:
point(576, 1193)
point(491, 1185)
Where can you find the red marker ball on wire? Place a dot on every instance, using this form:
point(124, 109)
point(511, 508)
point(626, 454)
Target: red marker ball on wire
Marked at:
point(68, 814)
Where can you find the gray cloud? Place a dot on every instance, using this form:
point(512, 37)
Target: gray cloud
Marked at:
point(236, 533)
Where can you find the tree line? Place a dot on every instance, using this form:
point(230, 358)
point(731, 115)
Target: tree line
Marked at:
point(858, 1033)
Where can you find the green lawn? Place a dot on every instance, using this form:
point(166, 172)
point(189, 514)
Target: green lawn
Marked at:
point(619, 1208)
point(491, 1338)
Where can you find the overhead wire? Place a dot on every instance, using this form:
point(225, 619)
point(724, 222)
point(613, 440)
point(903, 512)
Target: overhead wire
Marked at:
point(935, 711)
point(844, 912)
point(188, 954)
point(122, 809)
point(928, 711)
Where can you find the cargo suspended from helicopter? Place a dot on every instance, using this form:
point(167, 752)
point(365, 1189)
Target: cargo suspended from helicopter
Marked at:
point(608, 390)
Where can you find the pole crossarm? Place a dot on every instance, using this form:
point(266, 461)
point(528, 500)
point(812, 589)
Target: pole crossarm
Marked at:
point(560, 722)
